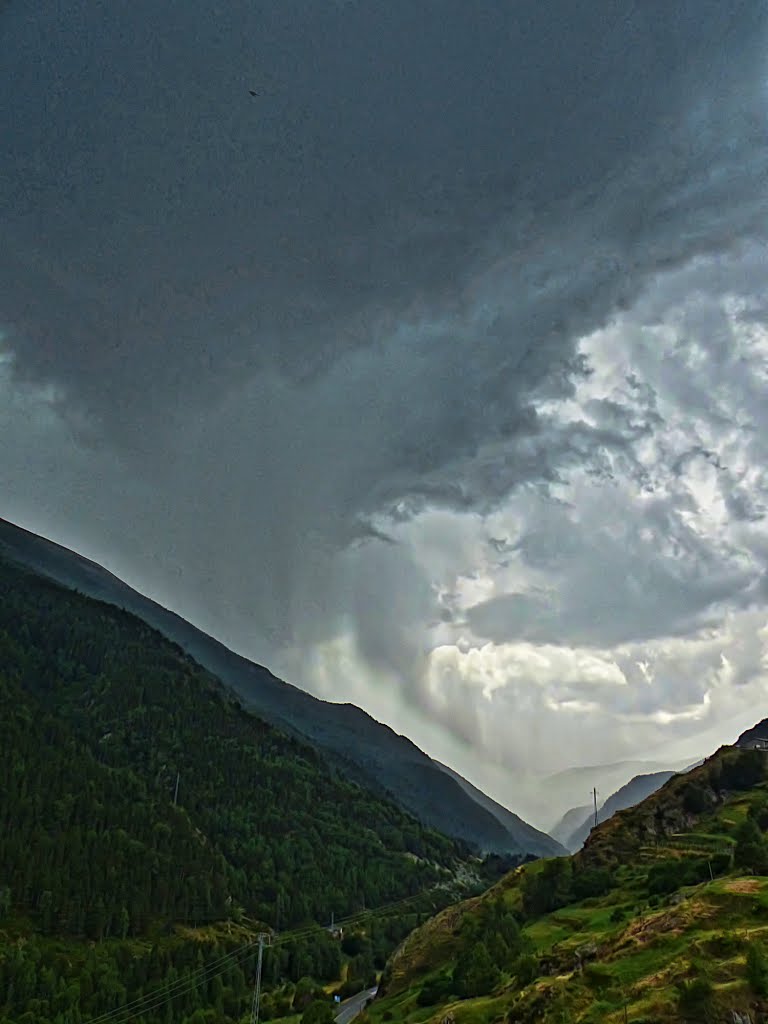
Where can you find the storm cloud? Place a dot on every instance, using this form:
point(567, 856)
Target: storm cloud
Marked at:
point(449, 340)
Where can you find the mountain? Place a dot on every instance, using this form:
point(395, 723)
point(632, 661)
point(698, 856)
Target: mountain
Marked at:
point(663, 917)
point(150, 826)
point(636, 789)
point(572, 787)
point(366, 750)
point(537, 843)
point(567, 825)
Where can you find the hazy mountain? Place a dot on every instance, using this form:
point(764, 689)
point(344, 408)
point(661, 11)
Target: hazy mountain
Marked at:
point(368, 751)
point(636, 789)
point(572, 787)
point(536, 842)
point(568, 824)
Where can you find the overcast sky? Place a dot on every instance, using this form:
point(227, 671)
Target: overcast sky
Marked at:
point(434, 376)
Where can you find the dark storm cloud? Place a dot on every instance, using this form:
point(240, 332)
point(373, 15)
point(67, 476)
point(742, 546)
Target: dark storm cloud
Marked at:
point(248, 331)
point(166, 233)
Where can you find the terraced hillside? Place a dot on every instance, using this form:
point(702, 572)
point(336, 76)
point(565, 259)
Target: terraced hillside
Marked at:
point(662, 917)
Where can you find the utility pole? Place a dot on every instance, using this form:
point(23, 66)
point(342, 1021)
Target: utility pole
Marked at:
point(256, 1004)
point(594, 797)
point(176, 791)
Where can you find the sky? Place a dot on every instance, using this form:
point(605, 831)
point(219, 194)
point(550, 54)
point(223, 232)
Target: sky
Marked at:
point(434, 376)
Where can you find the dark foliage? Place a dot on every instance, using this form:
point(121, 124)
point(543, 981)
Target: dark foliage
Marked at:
point(751, 851)
point(669, 875)
point(101, 715)
point(757, 969)
point(696, 799)
point(695, 999)
point(548, 889)
point(589, 882)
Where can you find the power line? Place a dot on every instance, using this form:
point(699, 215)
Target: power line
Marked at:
point(150, 1002)
point(143, 1004)
point(256, 1004)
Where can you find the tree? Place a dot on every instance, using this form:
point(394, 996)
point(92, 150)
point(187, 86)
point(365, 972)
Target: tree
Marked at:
point(548, 888)
point(434, 990)
point(696, 799)
point(757, 969)
point(591, 882)
point(475, 974)
point(45, 907)
point(695, 999)
point(319, 1011)
point(526, 969)
point(751, 851)
point(743, 769)
point(305, 994)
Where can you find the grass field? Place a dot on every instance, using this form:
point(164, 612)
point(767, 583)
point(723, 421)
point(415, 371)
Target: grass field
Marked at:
point(627, 955)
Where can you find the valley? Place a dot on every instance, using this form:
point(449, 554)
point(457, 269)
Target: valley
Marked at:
point(156, 831)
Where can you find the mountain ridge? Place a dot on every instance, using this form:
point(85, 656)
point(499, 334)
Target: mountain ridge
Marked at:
point(150, 824)
point(636, 790)
point(348, 735)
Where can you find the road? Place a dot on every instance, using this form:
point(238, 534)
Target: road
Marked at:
point(350, 1008)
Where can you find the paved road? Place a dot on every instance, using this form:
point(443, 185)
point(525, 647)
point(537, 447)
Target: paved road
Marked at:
point(350, 1008)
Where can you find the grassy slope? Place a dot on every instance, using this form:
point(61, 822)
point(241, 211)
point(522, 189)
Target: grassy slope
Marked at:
point(636, 951)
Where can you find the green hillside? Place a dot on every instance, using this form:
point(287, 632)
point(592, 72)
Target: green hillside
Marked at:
point(111, 889)
point(662, 917)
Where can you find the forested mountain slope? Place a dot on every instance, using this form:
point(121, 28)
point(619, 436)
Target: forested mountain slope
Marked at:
point(367, 751)
point(107, 871)
point(662, 917)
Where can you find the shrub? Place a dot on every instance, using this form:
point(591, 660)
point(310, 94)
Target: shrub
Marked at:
point(695, 999)
point(757, 969)
point(751, 851)
point(696, 799)
point(318, 1012)
point(592, 882)
point(434, 990)
point(743, 769)
point(672, 874)
point(306, 992)
point(475, 974)
point(549, 888)
point(526, 969)
point(759, 813)
point(597, 976)
point(726, 944)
